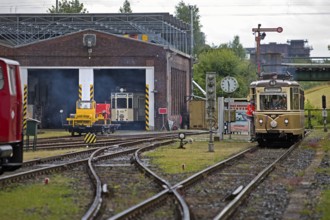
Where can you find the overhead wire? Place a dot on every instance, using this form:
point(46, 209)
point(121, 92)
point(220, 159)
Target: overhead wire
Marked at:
point(200, 4)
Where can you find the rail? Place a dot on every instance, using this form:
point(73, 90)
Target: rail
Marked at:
point(227, 212)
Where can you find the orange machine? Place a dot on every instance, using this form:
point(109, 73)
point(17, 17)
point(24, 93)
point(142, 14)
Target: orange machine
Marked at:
point(90, 117)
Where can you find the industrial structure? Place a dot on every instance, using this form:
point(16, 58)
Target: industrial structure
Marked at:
point(295, 58)
point(277, 53)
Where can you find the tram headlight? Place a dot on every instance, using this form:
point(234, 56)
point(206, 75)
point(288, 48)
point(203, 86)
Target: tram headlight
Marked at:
point(273, 124)
point(286, 121)
point(260, 121)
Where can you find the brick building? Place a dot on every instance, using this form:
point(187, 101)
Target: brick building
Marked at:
point(54, 66)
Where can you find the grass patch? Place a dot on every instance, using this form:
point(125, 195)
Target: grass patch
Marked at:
point(47, 133)
point(314, 95)
point(306, 212)
point(320, 140)
point(324, 205)
point(194, 157)
point(40, 201)
point(32, 155)
point(325, 171)
point(317, 138)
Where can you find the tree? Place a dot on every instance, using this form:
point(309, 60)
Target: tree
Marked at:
point(224, 62)
point(126, 7)
point(237, 47)
point(182, 11)
point(65, 6)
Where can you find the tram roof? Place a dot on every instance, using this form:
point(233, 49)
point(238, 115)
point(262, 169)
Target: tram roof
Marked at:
point(278, 83)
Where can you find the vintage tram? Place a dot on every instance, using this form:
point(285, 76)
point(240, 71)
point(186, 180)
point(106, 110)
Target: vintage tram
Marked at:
point(11, 116)
point(128, 108)
point(279, 114)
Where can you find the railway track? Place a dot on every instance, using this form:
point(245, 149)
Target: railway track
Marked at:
point(97, 155)
point(118, 173)
point(77, 142)
point(60, 162)
point(216, 192)
point(41, 167)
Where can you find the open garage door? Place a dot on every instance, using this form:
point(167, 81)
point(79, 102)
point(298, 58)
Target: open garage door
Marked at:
point(122, 84)
point(49, 91)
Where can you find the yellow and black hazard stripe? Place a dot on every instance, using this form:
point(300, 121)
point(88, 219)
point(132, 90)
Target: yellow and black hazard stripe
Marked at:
point(147, 107)
point(90, 138)
point(25, 106)
point(91, 92)
point(80, 92)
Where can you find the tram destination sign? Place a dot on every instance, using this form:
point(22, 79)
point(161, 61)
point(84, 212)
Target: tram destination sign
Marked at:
point(273, 90)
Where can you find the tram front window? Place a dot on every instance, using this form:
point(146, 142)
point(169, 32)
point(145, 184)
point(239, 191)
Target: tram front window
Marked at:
point(121, 103)
point(273, 102)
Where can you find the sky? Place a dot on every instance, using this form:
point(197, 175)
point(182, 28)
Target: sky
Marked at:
point(222, 20)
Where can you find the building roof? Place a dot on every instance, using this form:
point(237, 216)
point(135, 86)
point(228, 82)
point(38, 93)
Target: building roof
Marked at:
point(161, 28)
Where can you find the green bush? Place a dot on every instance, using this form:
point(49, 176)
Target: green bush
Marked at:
point(316, 115)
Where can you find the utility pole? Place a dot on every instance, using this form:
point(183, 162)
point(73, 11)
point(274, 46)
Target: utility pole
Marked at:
point(192, 48)
point(260, 36)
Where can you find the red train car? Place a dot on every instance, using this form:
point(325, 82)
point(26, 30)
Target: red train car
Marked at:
point(11, 116)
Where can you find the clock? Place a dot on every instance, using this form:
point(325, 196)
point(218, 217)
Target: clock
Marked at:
point(229, 84)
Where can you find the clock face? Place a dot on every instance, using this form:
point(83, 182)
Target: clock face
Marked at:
point(229, 84)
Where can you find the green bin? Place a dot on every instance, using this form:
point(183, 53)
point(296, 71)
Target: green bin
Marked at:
point(31, 130)
point(31, 127)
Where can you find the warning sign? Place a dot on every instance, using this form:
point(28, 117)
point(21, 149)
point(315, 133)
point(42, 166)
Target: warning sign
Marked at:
point(90, 138)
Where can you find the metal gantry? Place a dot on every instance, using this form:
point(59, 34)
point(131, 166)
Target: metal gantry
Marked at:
point(161, 28)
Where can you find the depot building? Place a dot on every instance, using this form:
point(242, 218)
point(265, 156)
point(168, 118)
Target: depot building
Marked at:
point(66, 57)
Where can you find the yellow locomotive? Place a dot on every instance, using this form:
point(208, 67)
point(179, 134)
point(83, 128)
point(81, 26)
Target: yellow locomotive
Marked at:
point(279, 113)
point(90, 117)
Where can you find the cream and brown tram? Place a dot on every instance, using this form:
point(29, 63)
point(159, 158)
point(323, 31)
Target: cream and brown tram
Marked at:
point(279, 114)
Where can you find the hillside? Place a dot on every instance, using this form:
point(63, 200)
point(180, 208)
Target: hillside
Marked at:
point(314, 95)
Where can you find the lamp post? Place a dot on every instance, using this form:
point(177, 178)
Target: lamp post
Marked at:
point(61, 113)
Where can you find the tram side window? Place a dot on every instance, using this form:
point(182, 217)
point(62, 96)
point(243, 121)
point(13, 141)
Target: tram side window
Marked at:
point(302, 100)
point(130, 102)
point(295, 99)
point(2, 82)
point(113, 103)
